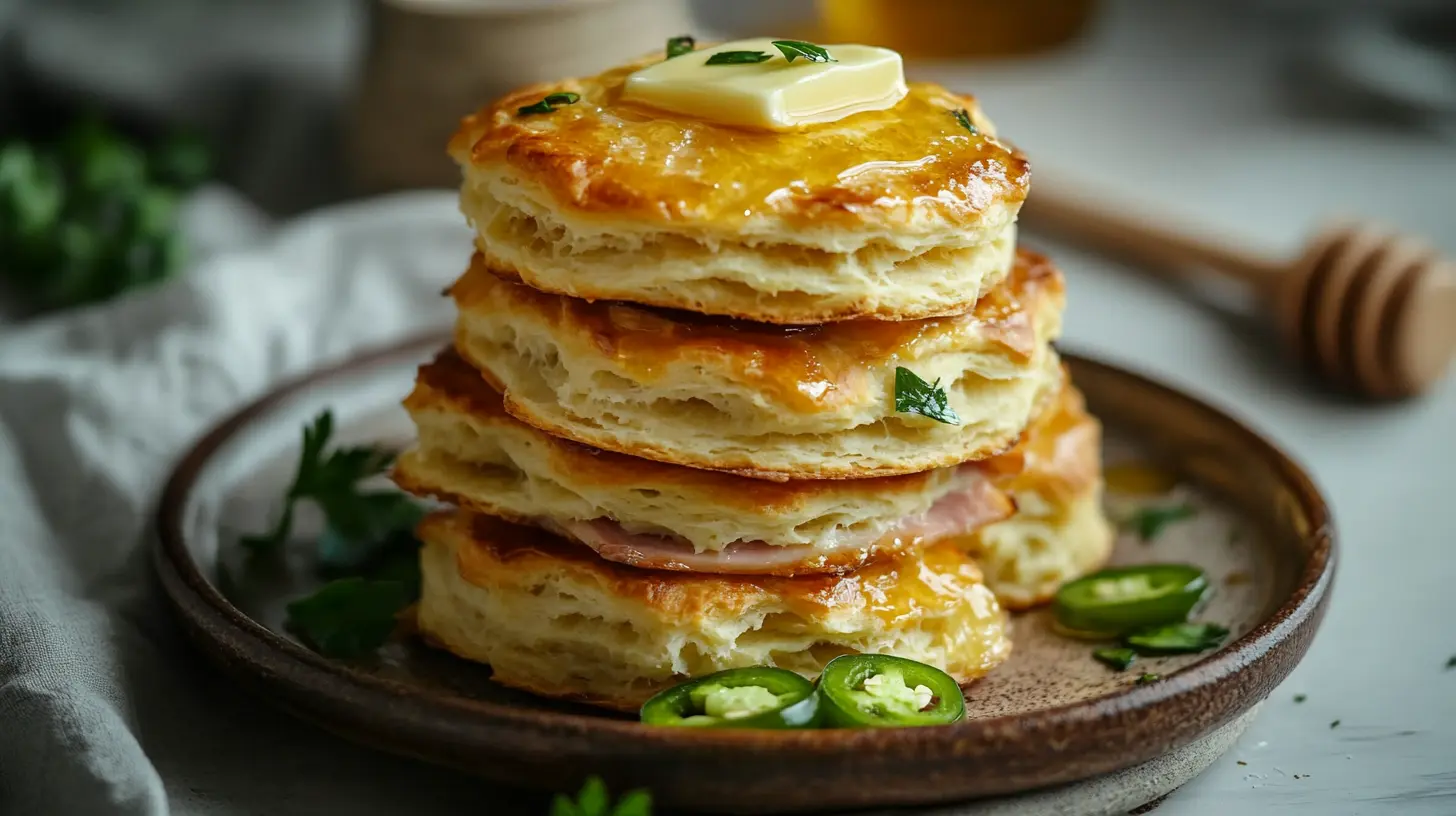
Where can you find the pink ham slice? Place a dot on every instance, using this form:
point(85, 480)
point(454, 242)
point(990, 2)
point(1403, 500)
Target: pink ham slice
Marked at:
point(974, 503)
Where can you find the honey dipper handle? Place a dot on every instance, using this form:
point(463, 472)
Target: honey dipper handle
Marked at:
point(1160, 246)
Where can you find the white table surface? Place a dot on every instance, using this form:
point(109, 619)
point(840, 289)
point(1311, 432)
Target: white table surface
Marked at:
point(1184, 120)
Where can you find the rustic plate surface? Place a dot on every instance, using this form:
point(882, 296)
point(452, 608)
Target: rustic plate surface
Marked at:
point(1050, 716)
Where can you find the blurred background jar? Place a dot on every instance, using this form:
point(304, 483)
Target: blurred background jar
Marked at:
point(938, 29)
point(427, 63)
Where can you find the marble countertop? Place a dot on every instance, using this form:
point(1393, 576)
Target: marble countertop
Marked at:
point(1195, 126)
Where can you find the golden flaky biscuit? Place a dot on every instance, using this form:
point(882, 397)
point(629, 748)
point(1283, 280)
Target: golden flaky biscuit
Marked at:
point(650, 514)
point(897, 214)
point(1059, 531)
point(552, 618)
point(766, 401)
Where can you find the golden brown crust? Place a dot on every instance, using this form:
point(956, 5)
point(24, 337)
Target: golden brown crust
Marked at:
point(911, 168)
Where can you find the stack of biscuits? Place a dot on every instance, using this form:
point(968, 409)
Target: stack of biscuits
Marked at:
point(720, 397)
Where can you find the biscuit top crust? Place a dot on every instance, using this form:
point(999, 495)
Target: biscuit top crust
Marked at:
point(913, 167)
point(808, 367)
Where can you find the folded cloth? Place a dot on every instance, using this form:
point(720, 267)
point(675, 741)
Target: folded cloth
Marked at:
point(103, 707)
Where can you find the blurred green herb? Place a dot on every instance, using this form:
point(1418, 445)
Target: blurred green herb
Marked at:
point(1299, 698)
point(93, 214)
point(350, 617)
point(593, 800)
point(1149, 678)
point(738, 58)
point(550, 103)
point(793, 49)
point(914, 395)
point(1149, 522)
point(1118, 659)
point(1177, 638)
point(677, 46)
point(964, 120)
point(1451, 662)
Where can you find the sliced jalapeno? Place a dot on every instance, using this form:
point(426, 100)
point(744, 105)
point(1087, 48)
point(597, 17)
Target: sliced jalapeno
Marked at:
point(759, 697)
point(857, 691)
point(1116, 601)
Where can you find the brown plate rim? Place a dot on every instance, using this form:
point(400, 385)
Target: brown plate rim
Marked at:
point(400, 708)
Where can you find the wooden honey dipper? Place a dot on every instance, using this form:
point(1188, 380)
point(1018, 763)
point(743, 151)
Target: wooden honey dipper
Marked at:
point(1370, 311)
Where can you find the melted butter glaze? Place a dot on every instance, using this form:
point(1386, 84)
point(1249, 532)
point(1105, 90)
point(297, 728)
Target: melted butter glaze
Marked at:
point(606, 155)
point(807, 368)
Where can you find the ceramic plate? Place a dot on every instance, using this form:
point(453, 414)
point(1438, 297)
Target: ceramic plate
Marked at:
point(1048, 717)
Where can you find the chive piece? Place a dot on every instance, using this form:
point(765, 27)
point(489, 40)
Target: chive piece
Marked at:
point(677, 46)
point(964, 119)
point(1117, 659)
point(1335, 724)
point(1149, 522)
point(1149, 678)
point(1299, 698)
point(916, 396)
point(793, 49)
point(738, 58)
point(550, 103)
point(1178, 638)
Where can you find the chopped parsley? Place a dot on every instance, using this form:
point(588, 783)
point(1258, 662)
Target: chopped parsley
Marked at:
point(1118, 659)
point(549, 103)
point(916, 396)
point(593, 800)
point(963, 118)
point(1149, 678)
point(1148, 522)
point(1451, 663)
point(738, 58)
point(1335, 724)
point(677, 46)
point(1299, 698)
point(793, 49)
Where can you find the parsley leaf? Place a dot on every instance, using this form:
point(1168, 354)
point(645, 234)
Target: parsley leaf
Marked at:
point(916, 396)
point(350, 617)
point(1177, 638)
point(1149, 522)
point(549, 103)
point(1118, 659)
point(738, 58)
point(332, 482)
point(677, 46)
point(793, 49)
point(1299, 698)
point(594, 801)
point(964, 119)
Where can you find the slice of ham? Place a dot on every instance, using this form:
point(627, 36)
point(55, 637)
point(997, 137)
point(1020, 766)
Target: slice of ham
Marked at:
point(974, 502)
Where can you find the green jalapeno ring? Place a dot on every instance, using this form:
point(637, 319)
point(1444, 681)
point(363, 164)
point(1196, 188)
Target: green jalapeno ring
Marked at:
point(683, 705)
point(1117, 601)
point(846, 702)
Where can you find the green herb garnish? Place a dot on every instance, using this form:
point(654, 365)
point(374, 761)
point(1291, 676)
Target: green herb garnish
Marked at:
point(793, 49)
point(1335, 724)
point(1299, 698)
point(1149, 678)
point(593, 800)
point(355, 518)
point(350, 617)
point(1119, 658)
point(550, 103)
point(1149, 522)
point(964, 119)
point(1451, 663)
point(916, 396)
point(738, 58)
point(1177, 638)
point(677, 46)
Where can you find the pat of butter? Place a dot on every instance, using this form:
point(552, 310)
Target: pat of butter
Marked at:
point(774, 94)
